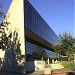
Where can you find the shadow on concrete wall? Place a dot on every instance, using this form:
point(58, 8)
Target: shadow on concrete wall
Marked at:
point(0, 63)
point(13, 59)
point(30, 66)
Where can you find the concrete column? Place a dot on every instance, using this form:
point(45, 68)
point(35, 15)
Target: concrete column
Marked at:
point(42, 58)
point(52, 60)
point(48, 60)
point(16, 20)
point(74, 57)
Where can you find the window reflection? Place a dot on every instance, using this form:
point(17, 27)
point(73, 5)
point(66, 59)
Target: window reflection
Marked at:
point(35, 23)
point(31, 48)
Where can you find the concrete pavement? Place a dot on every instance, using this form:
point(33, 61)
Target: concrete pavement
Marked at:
point(56, 66)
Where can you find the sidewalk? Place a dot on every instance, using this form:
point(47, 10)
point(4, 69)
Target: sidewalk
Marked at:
point(56, 66)
point(8, 73)
point(64, 70)
point(37, 73)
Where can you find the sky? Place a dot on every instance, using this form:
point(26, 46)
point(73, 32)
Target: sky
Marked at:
point(59, 14)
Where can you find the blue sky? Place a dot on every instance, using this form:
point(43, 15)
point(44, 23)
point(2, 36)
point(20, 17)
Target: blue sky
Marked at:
point(59, 14)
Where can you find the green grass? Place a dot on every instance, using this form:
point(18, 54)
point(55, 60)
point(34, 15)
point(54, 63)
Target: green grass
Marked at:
point(68, 64)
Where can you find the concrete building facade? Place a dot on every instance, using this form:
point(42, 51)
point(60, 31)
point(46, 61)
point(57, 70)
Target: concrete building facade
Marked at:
point(33, 33)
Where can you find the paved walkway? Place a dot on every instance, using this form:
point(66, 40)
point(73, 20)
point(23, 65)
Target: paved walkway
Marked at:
point(37, 73)
point(56, 66)
point(40, 72)
point(63, 70)
point(6, 73)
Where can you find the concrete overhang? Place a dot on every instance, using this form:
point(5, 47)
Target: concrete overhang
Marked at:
point(37, 39)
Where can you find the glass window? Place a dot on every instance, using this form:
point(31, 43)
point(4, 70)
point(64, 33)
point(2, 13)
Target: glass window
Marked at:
point(37, 24)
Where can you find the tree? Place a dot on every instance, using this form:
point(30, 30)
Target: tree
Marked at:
point(40, 52)
point(3, 36)
point(57, 48)
point(3, 27)
point(11, 48)
point(13, 56)
point(1, 12)
point(67, 46)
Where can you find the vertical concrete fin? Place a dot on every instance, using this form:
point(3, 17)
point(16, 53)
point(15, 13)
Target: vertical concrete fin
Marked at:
point(16, 19)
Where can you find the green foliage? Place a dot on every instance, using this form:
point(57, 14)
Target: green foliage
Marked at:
point(70, 64)
point(11, 47)
point(13, 56)
point(66, 46)
point(1, 13)
point(67, 41)
point(16, 47)
point(3, 36)
point(40, 52)
point(57, 48)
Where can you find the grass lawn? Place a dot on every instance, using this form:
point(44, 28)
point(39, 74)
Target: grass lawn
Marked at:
point(68, 64)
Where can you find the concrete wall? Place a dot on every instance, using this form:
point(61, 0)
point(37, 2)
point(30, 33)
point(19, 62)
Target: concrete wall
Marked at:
point(15, 16)
point(34, 65)
point(30, 66)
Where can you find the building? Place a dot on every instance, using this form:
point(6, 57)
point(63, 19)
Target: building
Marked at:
point(38, 32)
point(33, 32)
